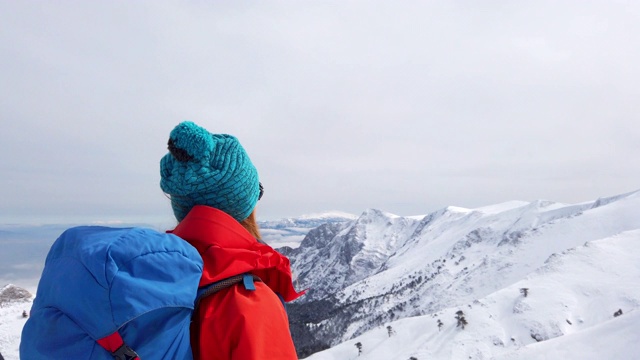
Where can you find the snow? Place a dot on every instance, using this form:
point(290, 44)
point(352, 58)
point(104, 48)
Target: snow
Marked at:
point(458, 209)
point(613, 339)
point(584, 286)
point(502, 207)
point(581, 264)
point(11, 323)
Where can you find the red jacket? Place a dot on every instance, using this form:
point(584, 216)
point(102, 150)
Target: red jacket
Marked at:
point(236, 323)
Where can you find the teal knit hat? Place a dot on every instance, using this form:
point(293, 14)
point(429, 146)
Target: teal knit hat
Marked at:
point(208, 169)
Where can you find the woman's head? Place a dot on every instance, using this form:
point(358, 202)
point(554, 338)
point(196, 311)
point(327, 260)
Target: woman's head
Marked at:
point(208, 169)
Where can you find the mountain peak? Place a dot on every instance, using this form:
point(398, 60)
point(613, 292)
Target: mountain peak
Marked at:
point(608, 200)
point(376, 213)
point(335, 214)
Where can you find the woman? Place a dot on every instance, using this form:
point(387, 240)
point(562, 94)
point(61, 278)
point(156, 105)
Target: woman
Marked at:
point(214, 188)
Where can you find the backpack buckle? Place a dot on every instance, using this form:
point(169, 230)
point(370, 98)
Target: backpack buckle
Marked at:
point(124, 352)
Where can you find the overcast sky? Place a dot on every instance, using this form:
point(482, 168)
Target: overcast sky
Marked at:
point(403, 106)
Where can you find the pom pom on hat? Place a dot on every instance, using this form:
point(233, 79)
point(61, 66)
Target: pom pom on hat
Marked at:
point(189, 141)
point(208, 169)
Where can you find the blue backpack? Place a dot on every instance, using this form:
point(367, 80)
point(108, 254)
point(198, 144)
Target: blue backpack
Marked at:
point(106, 293)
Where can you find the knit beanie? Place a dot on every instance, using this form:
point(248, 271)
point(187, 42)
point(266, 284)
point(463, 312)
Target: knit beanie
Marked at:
point(208, 169)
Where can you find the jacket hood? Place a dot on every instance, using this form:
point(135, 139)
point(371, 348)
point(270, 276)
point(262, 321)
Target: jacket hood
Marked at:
point(228, 249)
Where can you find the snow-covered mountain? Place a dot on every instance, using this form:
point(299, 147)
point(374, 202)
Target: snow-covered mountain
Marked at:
point(289, 232)
point(579, 262)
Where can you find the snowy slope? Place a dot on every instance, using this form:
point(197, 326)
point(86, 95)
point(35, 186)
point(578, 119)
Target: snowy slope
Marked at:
point(11, 319)
point(451, 259)
point(569, 309)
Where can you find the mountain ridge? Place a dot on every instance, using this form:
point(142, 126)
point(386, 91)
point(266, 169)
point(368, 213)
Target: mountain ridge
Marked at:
point(452, 256)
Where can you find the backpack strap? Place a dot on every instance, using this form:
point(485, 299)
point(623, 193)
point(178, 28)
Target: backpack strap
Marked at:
point(246, 279)
point(116, 346)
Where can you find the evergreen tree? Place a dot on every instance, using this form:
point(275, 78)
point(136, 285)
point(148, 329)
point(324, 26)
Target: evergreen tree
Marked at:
point(524, 291)
point(462, 322)
point(390, 330)
point(359, 346)
point(617, 313)
point(440, 324)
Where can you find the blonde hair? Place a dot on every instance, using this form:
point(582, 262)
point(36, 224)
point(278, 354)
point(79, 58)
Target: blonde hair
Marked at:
point(251, 224)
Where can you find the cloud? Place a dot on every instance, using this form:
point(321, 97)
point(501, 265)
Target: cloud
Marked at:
point(404, 106)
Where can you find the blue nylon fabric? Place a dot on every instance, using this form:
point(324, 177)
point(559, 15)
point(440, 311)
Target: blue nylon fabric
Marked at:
point(98, 280)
